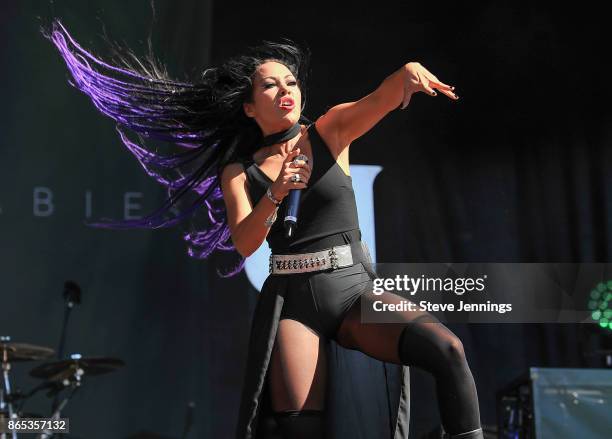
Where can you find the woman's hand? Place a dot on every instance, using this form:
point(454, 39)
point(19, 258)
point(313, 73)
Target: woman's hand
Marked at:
point(283, 184)
point(418, 78)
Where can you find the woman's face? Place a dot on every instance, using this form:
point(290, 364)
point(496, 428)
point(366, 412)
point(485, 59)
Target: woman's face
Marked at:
point(277, 99)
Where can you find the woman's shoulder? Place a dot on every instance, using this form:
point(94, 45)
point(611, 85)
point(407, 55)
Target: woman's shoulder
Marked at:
point(237, 168)
point(326, 127)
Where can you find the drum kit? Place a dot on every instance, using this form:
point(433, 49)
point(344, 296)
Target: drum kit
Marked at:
point(58, 376)
point(55, 376)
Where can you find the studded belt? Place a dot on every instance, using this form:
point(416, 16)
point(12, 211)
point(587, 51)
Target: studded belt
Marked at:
point(333, 257)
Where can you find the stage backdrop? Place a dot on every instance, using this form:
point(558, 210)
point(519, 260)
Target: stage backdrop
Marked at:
point(143, 299)
point(517, 170)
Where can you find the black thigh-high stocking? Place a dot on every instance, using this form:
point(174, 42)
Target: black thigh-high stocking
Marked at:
point(424, 342)
point(429, 345)
point(301, 424)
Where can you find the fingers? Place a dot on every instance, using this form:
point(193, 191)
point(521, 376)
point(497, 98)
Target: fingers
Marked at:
point(433, 80)
point(429, 83)
point(301, 164)
point(298, 164)
point(299, 167)
point(449, 93)
point(425, 83)
point(292, 154)
point(289, 168)
point(292, 167)
point(447, 90)
point(444, 88)
point(303, 170)
point(440, 85)
point(289, 163)
point(295, 184)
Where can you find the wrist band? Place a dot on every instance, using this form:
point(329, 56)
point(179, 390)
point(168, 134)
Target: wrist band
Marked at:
point(271, 197)
point(270, 220)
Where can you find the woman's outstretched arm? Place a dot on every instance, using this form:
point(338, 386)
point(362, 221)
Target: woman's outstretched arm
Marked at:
point(352, 120)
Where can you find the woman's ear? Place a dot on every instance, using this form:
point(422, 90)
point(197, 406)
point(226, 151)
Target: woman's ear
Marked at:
point(248, 109)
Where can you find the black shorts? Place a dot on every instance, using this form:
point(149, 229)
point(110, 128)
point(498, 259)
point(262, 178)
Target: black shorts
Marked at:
point(321, 299)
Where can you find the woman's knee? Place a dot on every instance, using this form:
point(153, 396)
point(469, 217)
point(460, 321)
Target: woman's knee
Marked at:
point(429, 345)
point(454, 348)
point(452, 353)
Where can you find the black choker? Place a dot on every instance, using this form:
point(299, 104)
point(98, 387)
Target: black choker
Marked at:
point(282, 136)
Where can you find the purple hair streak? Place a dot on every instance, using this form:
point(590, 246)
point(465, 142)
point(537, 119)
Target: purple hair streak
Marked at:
point(204, 119)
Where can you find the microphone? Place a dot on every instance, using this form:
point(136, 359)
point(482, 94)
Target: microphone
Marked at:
point(293, 205)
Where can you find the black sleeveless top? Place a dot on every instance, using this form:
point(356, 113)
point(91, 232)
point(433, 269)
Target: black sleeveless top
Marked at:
point(327, 205)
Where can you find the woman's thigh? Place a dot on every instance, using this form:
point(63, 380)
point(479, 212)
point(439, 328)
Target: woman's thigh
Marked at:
point(298, 368)
point(379, 340)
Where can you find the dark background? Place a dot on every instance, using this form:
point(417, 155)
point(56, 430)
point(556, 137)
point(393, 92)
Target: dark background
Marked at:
point(517, 170)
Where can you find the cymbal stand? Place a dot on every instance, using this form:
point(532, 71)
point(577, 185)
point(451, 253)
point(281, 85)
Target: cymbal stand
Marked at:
point(5, 394)
point(75, 384)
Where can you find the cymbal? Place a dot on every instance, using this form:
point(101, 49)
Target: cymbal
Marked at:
point(24, 352)
point(62, 369)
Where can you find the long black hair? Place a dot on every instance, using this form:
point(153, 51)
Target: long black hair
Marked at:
point(205, 118)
